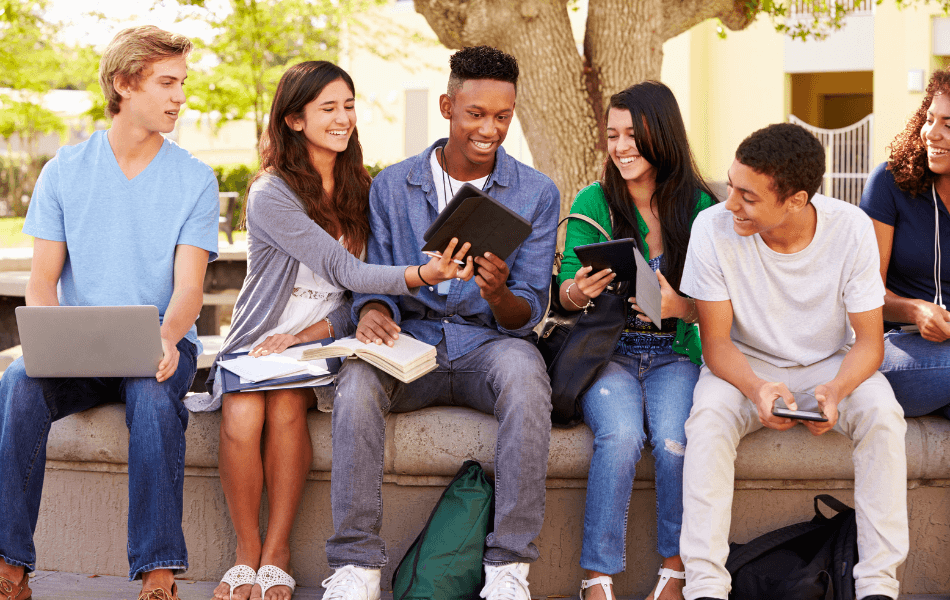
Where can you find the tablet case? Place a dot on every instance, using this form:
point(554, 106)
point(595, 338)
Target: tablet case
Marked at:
point(475, 217)
point(615, 254)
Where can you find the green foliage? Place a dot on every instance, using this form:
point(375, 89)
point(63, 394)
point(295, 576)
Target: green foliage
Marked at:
point(11, 233)
point(813, 19)
point(17, 177)
point(235, 178)
point(32, 62)
point(375, 169)
point(255, 43)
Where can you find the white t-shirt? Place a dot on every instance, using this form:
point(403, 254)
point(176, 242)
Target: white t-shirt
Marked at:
point(444, 184)
point(788, 309)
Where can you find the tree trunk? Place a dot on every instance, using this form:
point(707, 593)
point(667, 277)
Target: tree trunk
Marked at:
point(563, 90)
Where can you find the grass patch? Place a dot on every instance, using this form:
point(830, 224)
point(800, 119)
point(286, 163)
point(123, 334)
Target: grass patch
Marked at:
point(11, 233)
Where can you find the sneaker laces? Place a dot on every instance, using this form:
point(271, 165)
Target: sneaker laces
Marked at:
point(506, 585)
point(344, 583)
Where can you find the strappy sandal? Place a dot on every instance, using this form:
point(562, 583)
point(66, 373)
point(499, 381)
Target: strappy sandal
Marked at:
point(665, 576)
point(268, 576)
point(12, 591)
point(160, 594)
point(603, 581)
point(237, 576)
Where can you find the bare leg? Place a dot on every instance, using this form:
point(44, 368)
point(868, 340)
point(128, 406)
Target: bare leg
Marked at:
point(288, 453)
point(15, 575)
point(674, 587)
point(159, 578)
point(596, 592)
point(242, 477)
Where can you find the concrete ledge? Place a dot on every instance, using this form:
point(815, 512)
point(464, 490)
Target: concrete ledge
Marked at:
point(85, 502)
point(435, 442)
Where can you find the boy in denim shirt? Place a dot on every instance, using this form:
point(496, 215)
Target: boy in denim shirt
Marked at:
point(478, 328)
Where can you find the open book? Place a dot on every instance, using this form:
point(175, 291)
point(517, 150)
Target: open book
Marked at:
point(406, 360)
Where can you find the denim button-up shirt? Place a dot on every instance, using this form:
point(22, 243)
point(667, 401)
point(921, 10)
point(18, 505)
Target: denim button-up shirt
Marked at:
point(403, 203)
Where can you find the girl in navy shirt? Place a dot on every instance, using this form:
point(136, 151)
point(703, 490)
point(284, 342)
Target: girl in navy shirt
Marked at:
point(908, 199)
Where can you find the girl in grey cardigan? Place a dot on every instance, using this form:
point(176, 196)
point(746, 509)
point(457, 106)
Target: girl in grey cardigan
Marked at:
point(307, 223)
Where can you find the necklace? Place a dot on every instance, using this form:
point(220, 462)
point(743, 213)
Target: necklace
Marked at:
point(938, 272)
point(447, 179)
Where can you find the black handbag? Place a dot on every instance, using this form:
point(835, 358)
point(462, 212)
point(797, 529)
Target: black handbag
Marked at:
point(576, 345)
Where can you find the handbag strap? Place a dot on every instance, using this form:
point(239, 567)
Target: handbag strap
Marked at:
point(587, 220)
point(559, 256)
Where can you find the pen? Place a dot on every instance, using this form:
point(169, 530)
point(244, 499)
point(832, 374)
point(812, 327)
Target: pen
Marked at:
point(431, 254)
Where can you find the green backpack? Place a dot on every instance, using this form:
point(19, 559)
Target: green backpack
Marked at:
point(445, 560)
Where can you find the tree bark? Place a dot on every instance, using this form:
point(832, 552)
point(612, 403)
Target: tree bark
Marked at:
point(563, 90)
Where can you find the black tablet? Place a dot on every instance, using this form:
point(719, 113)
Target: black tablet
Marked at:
point(616, 255)
point(475, 217)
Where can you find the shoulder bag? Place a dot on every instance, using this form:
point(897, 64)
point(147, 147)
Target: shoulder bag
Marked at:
point(576, 345)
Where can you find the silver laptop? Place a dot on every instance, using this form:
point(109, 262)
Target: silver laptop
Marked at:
point(89, 341)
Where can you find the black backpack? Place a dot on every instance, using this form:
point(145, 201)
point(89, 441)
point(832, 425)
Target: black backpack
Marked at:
point(806, 561)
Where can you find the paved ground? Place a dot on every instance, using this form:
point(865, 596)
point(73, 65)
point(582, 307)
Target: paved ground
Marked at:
point(53, 585)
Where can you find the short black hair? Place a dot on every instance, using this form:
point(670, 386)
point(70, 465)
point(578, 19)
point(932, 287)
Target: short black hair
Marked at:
point(789, 154)
point(481, 62)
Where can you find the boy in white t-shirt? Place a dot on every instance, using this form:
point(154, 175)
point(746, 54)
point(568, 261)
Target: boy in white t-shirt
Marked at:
point(781, 276)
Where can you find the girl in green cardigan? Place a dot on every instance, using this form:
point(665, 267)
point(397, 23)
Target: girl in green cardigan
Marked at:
point(650, 192)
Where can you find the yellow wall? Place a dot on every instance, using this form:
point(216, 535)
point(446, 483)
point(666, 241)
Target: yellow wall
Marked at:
point(381, 86)
point(902, 42)
point(732, 87)
point(232, 143)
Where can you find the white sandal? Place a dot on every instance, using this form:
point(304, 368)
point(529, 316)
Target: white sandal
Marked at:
point(268, 576)
point(237, 576)
point(603, 581)
point(665, 576)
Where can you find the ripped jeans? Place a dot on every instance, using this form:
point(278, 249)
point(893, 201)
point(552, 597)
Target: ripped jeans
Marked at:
point(635, 397)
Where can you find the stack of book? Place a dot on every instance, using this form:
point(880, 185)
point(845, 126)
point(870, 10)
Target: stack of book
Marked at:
point(277, 371)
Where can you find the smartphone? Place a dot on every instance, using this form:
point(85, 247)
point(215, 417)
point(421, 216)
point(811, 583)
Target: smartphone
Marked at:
point(802, 415)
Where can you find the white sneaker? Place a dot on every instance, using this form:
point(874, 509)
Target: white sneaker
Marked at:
point(352, 583)
point(507, 582)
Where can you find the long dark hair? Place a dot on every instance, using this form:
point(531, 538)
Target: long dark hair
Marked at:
point(908, 160)
point(284, 153)
point(660, 135)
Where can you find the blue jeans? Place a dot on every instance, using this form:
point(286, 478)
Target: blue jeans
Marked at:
point(635, 397)
point(504, 377)
point(919, 372)
point(156, 419)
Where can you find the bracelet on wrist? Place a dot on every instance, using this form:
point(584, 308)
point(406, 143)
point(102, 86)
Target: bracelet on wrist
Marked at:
point(579, 307)
point(421, 278)
point(693, 314)
point(329, 327)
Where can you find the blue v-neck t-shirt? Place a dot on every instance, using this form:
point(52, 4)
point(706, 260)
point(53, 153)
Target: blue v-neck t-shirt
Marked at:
point(121, 233)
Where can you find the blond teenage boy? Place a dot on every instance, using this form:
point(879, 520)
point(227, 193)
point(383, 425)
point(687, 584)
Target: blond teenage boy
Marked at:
point(124, 218)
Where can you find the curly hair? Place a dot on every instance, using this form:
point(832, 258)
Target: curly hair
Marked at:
point(660, 135)
point(908, 158)
point(789, 154)
point(284, 153)
point(481, 62)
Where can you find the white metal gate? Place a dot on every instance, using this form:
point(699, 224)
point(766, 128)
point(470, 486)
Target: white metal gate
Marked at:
point(847, 157)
